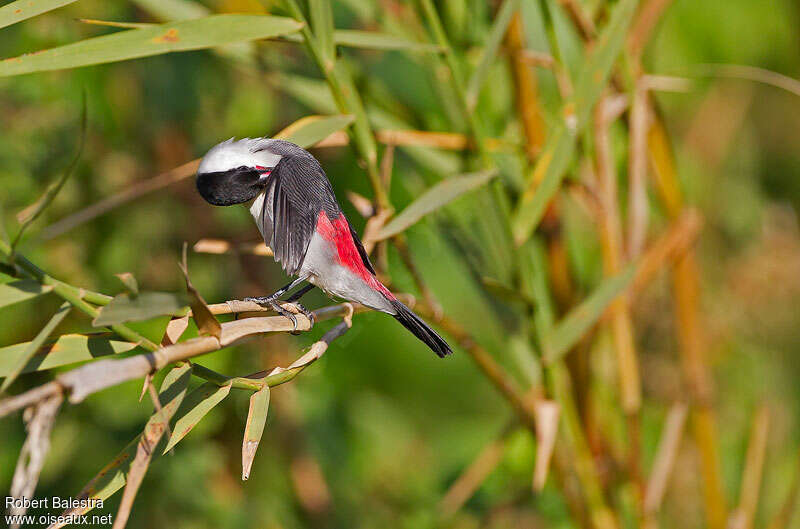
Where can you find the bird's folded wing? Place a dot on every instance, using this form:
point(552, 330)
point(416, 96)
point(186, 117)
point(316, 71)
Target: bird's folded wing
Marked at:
point(300, 192)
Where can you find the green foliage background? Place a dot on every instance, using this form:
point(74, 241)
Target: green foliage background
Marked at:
point(374, 434)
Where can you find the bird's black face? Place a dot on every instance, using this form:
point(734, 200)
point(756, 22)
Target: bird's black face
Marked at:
point(234, 186)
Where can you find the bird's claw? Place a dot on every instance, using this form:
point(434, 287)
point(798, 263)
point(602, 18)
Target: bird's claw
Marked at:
point(274, 304)
point(297, 308)
point(305, 312)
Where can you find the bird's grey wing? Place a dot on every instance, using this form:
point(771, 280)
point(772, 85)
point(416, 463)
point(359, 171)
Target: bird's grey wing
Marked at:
point(300, 192)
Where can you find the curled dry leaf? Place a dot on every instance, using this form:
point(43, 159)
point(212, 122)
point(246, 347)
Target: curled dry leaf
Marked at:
point(206, 322)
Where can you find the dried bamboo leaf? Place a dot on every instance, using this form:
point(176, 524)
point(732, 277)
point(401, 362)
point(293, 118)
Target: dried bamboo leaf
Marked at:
point(173, 390)
point(207, 324)
point(256, 419)
point(547, 414)
point(39, 419)
point(175, 329)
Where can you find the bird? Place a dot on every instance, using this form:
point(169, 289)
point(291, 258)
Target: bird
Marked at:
point(296, 211)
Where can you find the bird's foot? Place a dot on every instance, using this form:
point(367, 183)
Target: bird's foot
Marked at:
point(264, 301)
point(302, 310)
point(274, 304)
point(297, 308)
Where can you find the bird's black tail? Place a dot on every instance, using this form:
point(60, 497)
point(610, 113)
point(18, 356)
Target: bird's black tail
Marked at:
point(414, 323)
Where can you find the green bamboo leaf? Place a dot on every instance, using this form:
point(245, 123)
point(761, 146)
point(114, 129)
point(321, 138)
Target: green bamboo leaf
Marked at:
point(375, 40)
point(307, 131)
point(17, 291)
point(208, 32)
point(68, 349)
point(490, 48)
point(195, 406)
point(115, 474)
point(256, 419)
point(144, 306)
point(34, 345)
point(557, 155)
point(434, 198)
point(574, 325)
point(174, 9)
point(24, 9)
point(550, 169)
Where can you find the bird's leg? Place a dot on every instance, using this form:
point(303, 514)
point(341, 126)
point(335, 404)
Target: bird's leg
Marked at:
point(274, 303)
point(300, 293)
point(268, 300)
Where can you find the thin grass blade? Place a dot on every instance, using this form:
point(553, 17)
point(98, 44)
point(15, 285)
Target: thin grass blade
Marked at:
point(559, 150)
point(490, 49)
point(322, 25)
point(32, 212)
point(574, 325)
point(433, 199)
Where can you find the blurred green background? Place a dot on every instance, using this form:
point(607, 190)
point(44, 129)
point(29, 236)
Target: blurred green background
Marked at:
point(375, 433)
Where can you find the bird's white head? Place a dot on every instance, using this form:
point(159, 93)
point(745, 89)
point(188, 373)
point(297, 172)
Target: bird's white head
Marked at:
point(234, 172)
